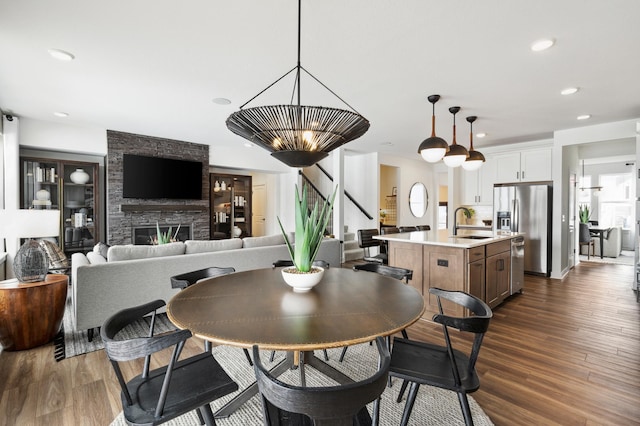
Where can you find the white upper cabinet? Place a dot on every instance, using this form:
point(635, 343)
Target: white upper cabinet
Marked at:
point(477, 186)
point(525, 166)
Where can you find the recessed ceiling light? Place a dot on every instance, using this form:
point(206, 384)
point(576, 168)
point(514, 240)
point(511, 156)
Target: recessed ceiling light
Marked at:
point(481, 135)
point(542, 44)
point(221, 101)
point(61, 114)
point(248, 144)
point(569, 91)
point(61, 55)
point(387, 144)
point(584, 117)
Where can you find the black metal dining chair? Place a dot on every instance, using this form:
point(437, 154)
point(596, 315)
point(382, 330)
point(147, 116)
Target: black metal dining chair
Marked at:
point(183, 281)
point(366, 241)
point(444, 367)
point(283, 263)
point(285, 404)
point(156, 396)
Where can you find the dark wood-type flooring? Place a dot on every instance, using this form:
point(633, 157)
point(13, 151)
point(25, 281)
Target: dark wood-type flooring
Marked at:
point(564, 352)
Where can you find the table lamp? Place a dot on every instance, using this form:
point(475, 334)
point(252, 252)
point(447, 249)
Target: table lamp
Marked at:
point(30, 263)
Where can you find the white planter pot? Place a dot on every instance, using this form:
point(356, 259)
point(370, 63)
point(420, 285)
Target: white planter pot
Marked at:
point(302, 281)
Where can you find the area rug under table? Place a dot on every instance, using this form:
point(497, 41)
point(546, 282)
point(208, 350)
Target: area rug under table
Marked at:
point(433, 406)
point(69, 343)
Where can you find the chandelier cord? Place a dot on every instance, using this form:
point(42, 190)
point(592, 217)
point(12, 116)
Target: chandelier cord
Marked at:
point(298, 68)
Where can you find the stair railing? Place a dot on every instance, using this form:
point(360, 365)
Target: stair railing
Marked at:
point(314, 195)
point(353, 200)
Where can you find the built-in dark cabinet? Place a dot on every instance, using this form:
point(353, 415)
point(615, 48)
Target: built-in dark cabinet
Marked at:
point(68, 186)
point(230, 200)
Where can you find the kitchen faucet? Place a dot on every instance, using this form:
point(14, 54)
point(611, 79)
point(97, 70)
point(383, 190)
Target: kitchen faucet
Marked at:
point(455, 218)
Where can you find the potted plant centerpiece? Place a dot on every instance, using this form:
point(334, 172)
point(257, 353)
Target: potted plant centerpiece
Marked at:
point(309, 232)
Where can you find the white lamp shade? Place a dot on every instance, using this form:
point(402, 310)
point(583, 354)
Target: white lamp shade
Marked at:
point(472, 165)
point(454, 160)
point(29, 223)
point(433, 155)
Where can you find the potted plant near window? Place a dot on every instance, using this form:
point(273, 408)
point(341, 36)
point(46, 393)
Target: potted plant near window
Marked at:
point(469, 213)
point(309, 232)
point(584, 214)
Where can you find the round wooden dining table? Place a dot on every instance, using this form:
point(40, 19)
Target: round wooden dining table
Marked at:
point(258, 308)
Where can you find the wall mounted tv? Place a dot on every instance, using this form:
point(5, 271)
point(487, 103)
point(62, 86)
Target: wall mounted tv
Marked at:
point(154, 177)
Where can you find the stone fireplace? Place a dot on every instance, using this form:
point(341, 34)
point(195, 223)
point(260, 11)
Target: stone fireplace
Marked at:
point(145, 234)
point(125, 214)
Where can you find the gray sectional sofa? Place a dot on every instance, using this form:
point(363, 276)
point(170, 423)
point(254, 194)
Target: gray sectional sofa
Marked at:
point(131, 274)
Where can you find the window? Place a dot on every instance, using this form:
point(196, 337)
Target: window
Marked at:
point(615, 201)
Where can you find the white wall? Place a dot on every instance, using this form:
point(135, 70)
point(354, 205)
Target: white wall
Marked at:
point(412, 171)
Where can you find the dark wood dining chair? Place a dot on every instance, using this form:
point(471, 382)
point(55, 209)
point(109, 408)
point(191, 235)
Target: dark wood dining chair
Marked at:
point(283, 263)
point(285, 404)
point(444, 367)
point(156, 396)
point(183, 281)
point(401, 274)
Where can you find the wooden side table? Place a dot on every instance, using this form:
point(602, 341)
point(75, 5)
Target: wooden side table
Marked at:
point(31, 313)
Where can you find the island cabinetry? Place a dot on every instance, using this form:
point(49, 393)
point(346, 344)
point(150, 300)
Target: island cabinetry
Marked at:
point(445, 268)
point(409, 256)
point(476, 272)
point(498, 267)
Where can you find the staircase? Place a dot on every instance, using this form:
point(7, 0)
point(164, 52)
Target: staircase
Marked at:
point(350, 247)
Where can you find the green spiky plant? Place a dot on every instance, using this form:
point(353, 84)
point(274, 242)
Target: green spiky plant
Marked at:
point(309, 230)
point(583, 213)
point(164, 238)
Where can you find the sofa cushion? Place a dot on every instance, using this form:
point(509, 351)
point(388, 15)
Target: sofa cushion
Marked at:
point(268, 240)
point(95, 258)
point(130, 252)
point(206, 246)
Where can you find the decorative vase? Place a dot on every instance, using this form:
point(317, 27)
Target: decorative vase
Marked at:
point(236, 232)
point(302, 281)
point(79, 176)
point(43, 195)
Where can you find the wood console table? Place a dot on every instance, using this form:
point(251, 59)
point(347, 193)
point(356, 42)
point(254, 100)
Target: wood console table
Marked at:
point(31, 313)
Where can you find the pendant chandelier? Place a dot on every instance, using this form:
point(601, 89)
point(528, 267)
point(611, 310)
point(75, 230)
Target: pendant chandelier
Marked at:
point(433, 148)
point(475, 159)
point(298, 135)
point(457, 154)
point(595, 189)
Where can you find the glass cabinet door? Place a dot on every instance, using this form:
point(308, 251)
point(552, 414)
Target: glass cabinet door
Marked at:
point(79, 206)
point(230, 208)
point(40, 188)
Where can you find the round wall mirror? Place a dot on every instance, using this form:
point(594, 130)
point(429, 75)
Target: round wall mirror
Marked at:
point(418, 199)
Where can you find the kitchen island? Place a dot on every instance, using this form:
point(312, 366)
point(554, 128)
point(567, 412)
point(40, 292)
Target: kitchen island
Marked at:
point(478, 263)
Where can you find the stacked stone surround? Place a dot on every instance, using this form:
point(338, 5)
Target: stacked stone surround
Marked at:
point(189, 212)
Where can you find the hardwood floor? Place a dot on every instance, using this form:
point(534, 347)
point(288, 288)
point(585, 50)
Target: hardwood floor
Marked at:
point(563, 352)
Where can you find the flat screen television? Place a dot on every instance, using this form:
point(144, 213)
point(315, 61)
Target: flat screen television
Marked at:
point(155, 177)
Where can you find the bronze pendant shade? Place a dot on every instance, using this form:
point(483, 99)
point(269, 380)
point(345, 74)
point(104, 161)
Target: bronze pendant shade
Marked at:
point(457, 154)
point(433, 148)
point(298, 135)
point(475, 159)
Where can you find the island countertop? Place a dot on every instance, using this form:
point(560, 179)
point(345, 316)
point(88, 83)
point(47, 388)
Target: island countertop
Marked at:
point(442, 237)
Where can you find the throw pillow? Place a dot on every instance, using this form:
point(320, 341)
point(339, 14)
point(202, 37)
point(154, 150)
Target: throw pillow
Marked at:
point(101, 249)
point(95, 258)
point(57, 258)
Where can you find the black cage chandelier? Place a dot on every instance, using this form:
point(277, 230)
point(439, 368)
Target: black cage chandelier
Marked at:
point(298, 135)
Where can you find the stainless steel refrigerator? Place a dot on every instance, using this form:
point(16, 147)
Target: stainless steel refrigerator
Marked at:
point(526, 207)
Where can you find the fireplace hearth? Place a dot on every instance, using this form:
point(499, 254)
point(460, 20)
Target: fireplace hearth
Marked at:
point(143, 235)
